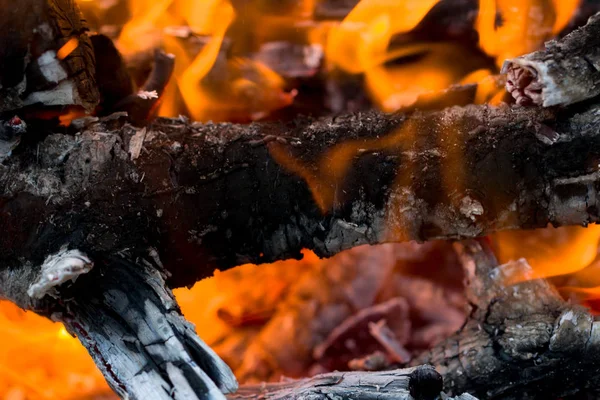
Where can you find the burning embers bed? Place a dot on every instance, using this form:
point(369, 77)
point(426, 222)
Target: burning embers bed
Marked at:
point(368, 308)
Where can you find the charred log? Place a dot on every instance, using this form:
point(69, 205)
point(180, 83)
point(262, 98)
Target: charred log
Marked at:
point(219, 195)
point(421, 383)
point(565, 72)
point(128, 319)
point(522, 341)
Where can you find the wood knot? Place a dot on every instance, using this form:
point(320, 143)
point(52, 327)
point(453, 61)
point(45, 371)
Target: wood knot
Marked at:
point(425, 383)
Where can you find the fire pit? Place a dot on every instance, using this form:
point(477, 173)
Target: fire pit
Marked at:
point(383, 175)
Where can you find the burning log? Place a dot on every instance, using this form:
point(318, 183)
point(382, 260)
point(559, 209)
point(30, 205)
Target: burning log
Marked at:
point(46, 56)
point(522, 341)
point(565, 72)
point(216, 196)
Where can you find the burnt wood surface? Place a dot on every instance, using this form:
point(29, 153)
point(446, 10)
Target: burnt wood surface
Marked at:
point(521, 341)
point(31, 72)
point(219, 195)
point(129, 321)
point(422, 383)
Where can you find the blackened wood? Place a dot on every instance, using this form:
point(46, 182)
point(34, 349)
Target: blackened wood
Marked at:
point(565, 72)
point(219, 195)
point(112, 76)
point(31, 72)
point(142, 105)
point(522, 341)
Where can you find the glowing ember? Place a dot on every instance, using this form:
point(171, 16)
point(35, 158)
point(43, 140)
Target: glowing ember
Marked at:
point(67, 48)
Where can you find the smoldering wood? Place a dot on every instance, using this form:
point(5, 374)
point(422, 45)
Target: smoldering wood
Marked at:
point(564, 72)
point(219, 195)
point(522, 341)
point(420, 383)
point(31, 71)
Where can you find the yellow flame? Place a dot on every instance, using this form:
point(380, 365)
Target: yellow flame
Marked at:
point(361, 40)
point(221, 15)
point(551, 251)
point(510, 28)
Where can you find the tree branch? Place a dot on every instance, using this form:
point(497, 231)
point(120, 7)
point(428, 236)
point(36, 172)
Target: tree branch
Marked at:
point(219, 195)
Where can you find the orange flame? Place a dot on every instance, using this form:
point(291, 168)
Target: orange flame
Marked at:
point(550, 252)
point(210, 86)
point(510, 28)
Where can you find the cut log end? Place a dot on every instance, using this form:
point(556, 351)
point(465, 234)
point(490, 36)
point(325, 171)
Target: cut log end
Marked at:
point(565, 72)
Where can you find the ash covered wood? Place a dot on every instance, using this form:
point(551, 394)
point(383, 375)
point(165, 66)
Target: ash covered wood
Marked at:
point(420, 383)
point(130, 323)
point(218, 195)
point(565, 72)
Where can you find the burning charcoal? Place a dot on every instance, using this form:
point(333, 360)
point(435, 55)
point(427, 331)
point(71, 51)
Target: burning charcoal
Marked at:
point(389, 340)
point(291, 60)
point(314, 306)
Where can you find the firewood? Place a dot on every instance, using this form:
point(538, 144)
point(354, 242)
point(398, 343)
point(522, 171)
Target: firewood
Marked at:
point(219, 195)
point(129, 321)
point(46, 57)
point(522, 341)
point(421, 383)
point(565, 72)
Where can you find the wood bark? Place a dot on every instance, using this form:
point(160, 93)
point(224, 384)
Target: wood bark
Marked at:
point(130, 322)
point(218, 195)
point(32, 70)
point(522, 340)
point(420, 383)
point(565, 72)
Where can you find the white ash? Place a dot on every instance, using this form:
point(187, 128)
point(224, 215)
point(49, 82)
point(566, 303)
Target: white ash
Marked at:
point(471, 208)
point(63, 94)
point(568, 316)
point(51, 68)
point(64, 266)
point(147, 95)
